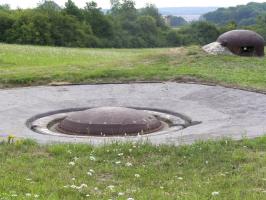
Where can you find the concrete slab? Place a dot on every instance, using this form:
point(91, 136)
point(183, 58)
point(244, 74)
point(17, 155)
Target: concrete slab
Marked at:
point(223, 112)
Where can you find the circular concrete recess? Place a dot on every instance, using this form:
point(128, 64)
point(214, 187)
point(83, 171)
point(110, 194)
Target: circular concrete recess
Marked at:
point(109, 121)
point(223, 112)
point(77, 122)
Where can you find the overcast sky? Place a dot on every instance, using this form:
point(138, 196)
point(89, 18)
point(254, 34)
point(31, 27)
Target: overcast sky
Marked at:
point(140, 3)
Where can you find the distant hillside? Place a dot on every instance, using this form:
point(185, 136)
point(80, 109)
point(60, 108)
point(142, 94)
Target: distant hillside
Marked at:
point(188, 13)
point(186, 10)
point(242, 15)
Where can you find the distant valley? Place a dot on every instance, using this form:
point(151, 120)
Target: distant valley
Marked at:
point(188, 13)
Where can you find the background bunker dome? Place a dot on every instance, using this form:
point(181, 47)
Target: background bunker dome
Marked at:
point(243, 42)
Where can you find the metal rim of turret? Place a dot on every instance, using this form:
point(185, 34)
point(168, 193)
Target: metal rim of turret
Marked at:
point(108, 122)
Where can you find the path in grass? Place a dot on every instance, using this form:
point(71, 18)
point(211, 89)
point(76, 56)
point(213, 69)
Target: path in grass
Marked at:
point(33, 65)
point(210, 170)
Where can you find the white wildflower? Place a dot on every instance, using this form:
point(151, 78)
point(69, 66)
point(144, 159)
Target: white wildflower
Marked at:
point(180, 178)
point(89, 173)
point(215, 193)
point(73, 186)
point(137, 175)
point(130, 198)
point(76, 158)
point(111, 187)
point(121, 194)
point(79, 187)
point(118, 162)
point(71, 163)
point(83, 185)
point(36, 196)
point(92, 158)
point(120, 154)
point(28, 194)
point(128, 164)
point(92, 171)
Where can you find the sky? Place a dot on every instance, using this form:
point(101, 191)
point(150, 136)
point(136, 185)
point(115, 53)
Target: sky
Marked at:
point(139, 3)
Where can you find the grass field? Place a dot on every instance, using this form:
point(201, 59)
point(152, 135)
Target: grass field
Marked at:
point(33, 65)
point(211, 170)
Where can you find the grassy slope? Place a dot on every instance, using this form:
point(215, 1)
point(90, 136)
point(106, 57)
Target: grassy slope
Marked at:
point(234, 169)
point(30, 65)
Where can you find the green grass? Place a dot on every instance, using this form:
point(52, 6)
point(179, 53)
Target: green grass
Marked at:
point(34, 65)
point(236, 170)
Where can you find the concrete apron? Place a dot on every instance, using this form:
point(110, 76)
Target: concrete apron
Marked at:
point(224, 112)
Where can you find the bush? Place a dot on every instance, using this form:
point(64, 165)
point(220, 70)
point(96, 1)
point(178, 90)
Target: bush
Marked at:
point(6, 22)
point(174, 38)
point(122, 27)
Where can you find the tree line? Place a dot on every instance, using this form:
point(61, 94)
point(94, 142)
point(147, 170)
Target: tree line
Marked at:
point(123, 26)
point(251, 16)
point(243, 15)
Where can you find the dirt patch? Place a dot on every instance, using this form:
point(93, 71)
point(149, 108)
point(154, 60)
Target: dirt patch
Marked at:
point(106, 177)
point(59, 83)
point(180, 79)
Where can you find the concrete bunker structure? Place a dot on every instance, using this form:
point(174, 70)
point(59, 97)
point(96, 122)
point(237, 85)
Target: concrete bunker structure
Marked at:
point(104, 122)
point(108, 121)
point(243, 42)
point(189, 112)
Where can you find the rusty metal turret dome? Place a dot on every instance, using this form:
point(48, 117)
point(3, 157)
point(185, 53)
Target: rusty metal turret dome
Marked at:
point(109, 121)
point(243, 42)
